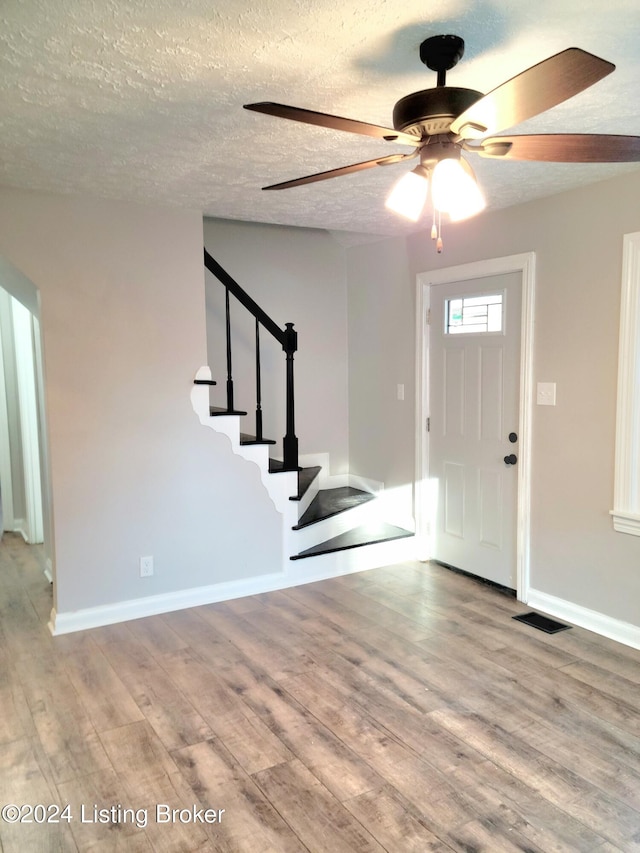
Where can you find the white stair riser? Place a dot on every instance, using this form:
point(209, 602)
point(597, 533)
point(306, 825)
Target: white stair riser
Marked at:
point(304, 504)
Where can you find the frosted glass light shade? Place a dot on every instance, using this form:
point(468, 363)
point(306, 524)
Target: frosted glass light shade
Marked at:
point(455, 190)
point(409, 195)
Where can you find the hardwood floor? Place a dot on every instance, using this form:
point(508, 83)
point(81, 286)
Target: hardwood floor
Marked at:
point(399, 710)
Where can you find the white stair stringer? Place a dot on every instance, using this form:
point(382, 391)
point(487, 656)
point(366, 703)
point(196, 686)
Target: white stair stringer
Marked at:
point(282, 485)
point(279, 486)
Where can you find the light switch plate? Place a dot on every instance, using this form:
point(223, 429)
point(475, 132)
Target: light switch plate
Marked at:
point(546, 394)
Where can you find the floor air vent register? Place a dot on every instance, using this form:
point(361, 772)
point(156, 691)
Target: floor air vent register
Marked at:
point(542, 623)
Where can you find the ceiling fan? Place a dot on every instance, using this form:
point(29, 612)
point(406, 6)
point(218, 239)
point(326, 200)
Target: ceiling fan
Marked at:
point(442, 122)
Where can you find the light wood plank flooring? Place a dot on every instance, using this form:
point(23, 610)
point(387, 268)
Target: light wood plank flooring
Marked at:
point(399, 710)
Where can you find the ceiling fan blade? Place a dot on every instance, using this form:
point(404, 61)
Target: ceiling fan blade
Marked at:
point(337, 173)
point(562, 148)
point(333, 122)
point(530, 93)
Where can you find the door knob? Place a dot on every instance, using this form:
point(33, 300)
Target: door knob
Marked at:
point(511, 459)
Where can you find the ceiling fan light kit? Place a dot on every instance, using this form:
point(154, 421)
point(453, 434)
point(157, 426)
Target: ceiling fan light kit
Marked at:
point(442, 122)
point(455, 190)
point(445, 176)
point(408, 195)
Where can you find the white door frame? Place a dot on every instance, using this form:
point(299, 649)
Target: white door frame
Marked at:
point(525, 265)
point(27, 398)
point(6, 482)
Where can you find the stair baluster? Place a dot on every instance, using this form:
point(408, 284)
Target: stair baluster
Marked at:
point(230, 406)
point(258, 386)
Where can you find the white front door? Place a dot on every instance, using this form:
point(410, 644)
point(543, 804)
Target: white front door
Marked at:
point(474, 370)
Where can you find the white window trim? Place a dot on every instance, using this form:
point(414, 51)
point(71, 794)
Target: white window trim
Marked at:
point(626, 501)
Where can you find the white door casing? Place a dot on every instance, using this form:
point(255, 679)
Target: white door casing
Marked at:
point(6, 485)
point(520, 475)
point(23, 321)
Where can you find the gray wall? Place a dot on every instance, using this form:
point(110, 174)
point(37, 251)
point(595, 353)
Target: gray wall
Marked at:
point(296, 275)
point(577, 238)
point(381, 356)
point(132, 470)
point(122, 312)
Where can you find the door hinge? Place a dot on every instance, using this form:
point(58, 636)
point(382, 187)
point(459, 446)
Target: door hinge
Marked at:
point(428, 424)
point(428, 317)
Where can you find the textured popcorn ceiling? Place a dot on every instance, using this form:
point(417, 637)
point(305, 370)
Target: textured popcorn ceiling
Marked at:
point(143, 100)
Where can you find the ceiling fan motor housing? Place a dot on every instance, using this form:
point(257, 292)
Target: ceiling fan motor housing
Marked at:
point(431, 111)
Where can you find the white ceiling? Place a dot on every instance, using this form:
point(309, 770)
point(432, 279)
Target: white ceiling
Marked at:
point(142, 100)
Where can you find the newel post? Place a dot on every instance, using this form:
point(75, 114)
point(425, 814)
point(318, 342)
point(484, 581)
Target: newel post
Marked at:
point(290, 441)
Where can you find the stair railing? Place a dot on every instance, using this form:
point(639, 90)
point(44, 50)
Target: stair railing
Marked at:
point(287, 337)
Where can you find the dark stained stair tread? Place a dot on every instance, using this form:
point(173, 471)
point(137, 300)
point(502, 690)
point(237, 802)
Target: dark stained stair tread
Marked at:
point(216, 411)
point(251, 439)
point(369, 534)
point(329, 502)
point(276, 466)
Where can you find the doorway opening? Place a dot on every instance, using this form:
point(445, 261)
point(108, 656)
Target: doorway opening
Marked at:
point(24, 466)
point(460, 498)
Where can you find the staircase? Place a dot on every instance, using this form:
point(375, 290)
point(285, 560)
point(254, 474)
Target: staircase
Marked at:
point(331, 525)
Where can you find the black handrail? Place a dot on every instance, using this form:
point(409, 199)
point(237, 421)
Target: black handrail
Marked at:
point(287, 337)
point(243, 297)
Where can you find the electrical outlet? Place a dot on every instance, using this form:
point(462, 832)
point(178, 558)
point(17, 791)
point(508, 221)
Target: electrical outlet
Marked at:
point(146, 567)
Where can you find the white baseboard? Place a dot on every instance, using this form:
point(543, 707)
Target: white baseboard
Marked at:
point(152, 605)
point(592, 620)
point(20, 527)
point(366, 484)
point(301, 571)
